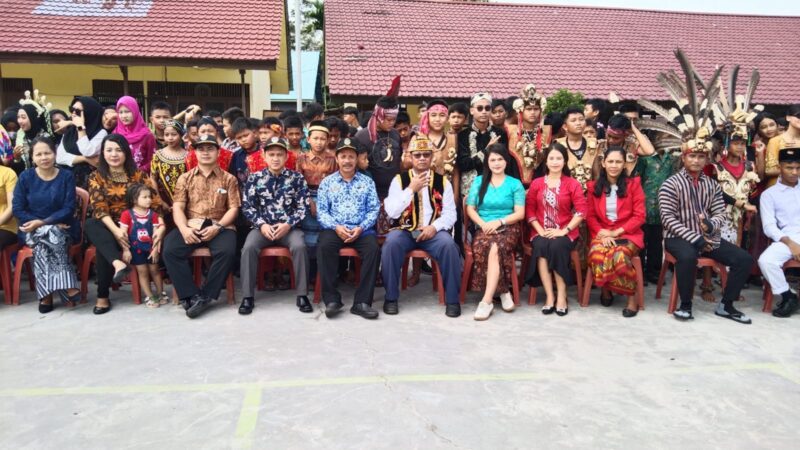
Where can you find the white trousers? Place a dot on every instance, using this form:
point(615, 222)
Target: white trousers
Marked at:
point(771, 264)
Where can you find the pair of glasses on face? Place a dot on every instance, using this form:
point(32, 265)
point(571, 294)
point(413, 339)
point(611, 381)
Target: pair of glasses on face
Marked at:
point(421, 155)
point(481, 108)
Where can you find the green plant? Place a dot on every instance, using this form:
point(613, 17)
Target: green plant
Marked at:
point(562, 100)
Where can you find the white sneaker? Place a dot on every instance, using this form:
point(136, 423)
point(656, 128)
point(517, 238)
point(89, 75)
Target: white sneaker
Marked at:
point(484, 311)
point(507, 301)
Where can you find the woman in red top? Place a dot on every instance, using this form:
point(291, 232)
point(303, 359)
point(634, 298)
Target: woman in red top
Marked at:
point(554, 207)
point(615, 214)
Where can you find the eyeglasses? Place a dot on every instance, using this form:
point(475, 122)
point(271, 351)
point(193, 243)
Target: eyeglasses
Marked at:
point(482, 108)
point(421, 155)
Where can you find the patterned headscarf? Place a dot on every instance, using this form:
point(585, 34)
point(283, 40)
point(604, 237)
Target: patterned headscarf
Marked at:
point(424, 122)
point(379, 114)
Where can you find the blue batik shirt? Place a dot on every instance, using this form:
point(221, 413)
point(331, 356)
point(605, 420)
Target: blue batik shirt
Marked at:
point(273, 199)
point(351, 204)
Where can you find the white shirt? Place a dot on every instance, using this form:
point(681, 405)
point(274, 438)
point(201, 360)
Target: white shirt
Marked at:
point(398, 200)
point(780, 211)
point(88, 148)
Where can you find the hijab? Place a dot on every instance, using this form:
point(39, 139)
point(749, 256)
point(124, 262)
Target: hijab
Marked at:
point(93, 122)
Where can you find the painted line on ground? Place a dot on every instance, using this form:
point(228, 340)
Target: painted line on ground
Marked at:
point(248, 417)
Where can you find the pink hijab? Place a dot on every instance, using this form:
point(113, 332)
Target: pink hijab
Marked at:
point(141, 140)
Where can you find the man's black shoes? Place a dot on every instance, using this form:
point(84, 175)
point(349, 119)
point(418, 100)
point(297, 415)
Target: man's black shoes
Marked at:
point(332, 309)
point(303, 304)
point(390, 307)
point(199, 304)
point(247, 306)
point(453, 310)
point(365, 310)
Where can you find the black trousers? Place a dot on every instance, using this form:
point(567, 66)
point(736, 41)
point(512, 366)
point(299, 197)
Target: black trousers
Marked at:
point(176, 257)
point(108, 250)
point(739, 262)
point(328, 248)
point(7, 238)
point(652, 254)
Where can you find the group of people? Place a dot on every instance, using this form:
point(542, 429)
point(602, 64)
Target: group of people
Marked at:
point(468, 176)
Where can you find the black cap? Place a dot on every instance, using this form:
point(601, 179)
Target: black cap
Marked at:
point(276, 142)
point(347, 144)
point(207, 139)
point(789, 155)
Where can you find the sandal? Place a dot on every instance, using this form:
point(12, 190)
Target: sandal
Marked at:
point(152, 302)
point(164, 299)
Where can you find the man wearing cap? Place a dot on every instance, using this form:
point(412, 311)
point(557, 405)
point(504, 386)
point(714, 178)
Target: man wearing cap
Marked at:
point(347, 210)
point(422, 209)
point(692, 212)
point(275, 200)
point(473, 140)
point(780, 216)
point(205, 205)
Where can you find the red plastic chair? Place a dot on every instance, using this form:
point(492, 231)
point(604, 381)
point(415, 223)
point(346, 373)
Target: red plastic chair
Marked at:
point(767, 295)
point(346, 252)
point(24, 253)
point(202, 254)
point(673, 295)
point(637, 266)
point(5, 272)
point(469, 260)
point(263, 267)
point(437, 274)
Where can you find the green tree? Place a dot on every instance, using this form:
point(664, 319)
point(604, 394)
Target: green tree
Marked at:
point(311, 37)
point(562, 100)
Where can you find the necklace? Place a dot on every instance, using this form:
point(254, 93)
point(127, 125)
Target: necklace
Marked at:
point(118, 175)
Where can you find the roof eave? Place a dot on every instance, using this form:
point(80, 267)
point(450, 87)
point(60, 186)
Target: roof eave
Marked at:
point(40, 58)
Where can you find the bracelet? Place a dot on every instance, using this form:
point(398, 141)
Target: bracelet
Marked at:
point(503, 222)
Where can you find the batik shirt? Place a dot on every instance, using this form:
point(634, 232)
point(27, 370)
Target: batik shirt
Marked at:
point(351, 203)
point(654, 171)
point(269, 199)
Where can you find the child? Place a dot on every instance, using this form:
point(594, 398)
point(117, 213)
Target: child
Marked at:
point(457, 116)
point(293, 127)
point(141, 223)
point(167, 165)
point(269, 128)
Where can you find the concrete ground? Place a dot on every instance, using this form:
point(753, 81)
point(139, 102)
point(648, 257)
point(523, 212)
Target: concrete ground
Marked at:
point(151, 378)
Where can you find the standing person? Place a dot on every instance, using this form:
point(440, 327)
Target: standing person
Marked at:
point(160, 113)
point(584, 154)
point(422, 209)
point(554, 207)
point(58, 116)
point(472, 141)
point(108, 187)
point(6, 147)
point(295, 135)
point(141, 223)
point(592, 111)
point(382, 142)
point(496, 203)
point(44, 204)
point(110, 119)
point(167, 165)
point(766, 127)
point(33, 120)
point(246, 136)
point(623, 132)
point(275, 200)
point(499, 113)
point(432, 127)
point(206, 204)
point(780, 212)
point(350, 116)
point(348, 209)
point(228, 118)
point(693, 212)
point(82, 142)
point(206, 126)
point(131, 125)
point(529, 137)
point(615, 214)
point(787, 139)
point(403, 127)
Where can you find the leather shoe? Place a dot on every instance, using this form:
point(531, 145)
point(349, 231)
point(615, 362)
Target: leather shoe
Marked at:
point(786, 307)
point(45, 308)
point(629, 312)
point(202, 304)
point(390, 307)
point(546, 310)
point(247, 306)
point(562, 312)
point(364, 310)
point(453, 310)
point(188, 302)
point(102, 309)
point(303, 304)
point(332, 309)
point(606, 301)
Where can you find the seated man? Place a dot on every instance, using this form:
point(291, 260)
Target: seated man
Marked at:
point(422, 209)
point(275, 200)
point(205, 205)
point(780, 215)
point(692, 211)
point(347, 209)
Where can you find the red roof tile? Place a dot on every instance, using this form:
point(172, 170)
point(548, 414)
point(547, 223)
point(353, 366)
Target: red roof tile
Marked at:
point(246, 31)
point(593, 50)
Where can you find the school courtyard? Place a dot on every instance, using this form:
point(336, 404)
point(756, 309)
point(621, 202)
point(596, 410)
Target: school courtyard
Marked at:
point(151, 378)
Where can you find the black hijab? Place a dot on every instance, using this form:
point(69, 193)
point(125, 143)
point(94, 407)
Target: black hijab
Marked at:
point(93, 122)
point(37, 121)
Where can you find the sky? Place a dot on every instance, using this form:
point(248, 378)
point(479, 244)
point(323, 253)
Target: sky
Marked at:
point(770, 8)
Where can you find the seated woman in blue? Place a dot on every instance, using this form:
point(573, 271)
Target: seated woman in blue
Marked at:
point(44, 204)
point(496, 202)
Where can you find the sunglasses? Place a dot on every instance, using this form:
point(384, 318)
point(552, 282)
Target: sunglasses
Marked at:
point(421, 155)
point(481, 108)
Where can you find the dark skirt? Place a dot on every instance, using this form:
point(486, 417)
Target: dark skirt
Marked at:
point(557, 254)
point(507, 242)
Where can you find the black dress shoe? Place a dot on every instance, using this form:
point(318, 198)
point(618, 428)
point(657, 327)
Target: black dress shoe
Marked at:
point(629, 312)
point(121, 275)
point(546, 310)
point(332, 309)
point(786, 308)
point(606, 301)
point(188, 302)
point(364, 310)
point(562, 312)
point(102, 309)
point(45, 308)
point(303, 304)
point(390, 307)
point(247, 306)
point(453, 310)
point(202, 304)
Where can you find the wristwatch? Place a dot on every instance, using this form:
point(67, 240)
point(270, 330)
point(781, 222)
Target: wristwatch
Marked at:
point(220, 226)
